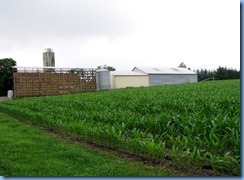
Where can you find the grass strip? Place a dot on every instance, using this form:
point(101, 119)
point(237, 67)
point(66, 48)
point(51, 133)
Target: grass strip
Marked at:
point(29, 151)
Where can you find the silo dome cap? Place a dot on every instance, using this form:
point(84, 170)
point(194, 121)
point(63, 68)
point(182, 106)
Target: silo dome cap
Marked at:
point(48, 50)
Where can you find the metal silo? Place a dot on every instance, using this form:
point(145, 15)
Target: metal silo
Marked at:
point(48, 58)
point(103, 79)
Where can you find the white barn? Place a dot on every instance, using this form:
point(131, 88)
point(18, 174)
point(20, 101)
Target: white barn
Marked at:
point(162, 76)
point(151, 76)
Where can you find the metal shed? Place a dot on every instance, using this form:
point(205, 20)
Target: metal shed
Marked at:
point(163, 76)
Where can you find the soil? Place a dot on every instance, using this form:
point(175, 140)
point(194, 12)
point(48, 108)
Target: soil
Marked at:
point(4, 98)
point(166, 163)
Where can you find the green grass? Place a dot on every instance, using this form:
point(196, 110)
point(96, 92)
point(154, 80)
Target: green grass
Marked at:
point(197, 124)
point(29, 151)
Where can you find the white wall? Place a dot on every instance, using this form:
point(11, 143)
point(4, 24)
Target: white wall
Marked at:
point(129, 81)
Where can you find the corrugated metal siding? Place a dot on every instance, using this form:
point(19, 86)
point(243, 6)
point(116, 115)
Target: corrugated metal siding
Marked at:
point(103, 79)
point(170, 79)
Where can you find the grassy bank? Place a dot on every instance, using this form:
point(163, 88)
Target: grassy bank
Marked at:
point(29, 151)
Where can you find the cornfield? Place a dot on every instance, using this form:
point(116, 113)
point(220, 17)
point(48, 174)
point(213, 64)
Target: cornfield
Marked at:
point(196, 124)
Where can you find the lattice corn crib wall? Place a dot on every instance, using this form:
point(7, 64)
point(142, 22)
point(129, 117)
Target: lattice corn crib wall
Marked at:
point(48, 83)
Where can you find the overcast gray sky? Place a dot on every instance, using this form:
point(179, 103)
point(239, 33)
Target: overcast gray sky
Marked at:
point(122, 33)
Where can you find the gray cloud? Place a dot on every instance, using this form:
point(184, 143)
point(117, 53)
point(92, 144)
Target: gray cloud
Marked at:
point(121, 32)
point(28, 19)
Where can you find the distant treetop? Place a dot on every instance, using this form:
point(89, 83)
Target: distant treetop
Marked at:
point(6, 75)
point(110, 68)
point(182, 65)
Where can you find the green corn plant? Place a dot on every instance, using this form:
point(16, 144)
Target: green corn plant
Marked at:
point(189, 120)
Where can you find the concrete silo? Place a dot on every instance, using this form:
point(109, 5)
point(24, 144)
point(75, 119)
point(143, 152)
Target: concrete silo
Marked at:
point(48, 58)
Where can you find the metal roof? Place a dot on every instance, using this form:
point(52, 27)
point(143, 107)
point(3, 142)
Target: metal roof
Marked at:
point(127, 73)
point(48, 50)
point(162, 70)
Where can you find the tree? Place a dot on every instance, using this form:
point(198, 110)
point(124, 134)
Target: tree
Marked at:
point(110, 68)
point(227, 73)
point(182, 65)
point(220, 74)
point(6, 75)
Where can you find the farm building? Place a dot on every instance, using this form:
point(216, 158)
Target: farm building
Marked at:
point(128, 79)
point(151, 76)
point(161, 76)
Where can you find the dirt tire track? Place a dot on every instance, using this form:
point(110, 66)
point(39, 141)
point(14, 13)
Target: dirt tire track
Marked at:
point(156, 162)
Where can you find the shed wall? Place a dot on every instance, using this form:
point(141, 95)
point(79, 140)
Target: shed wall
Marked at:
point(162, 79)
point(129, 81)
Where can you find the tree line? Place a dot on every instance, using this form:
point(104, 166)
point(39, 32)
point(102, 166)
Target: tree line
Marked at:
point(221, 73)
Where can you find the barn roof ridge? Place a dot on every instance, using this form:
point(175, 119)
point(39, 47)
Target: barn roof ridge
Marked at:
point(163, 70)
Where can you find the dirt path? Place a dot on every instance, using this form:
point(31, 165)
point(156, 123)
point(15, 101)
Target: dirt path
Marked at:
point(4, 98)
point(166, 163)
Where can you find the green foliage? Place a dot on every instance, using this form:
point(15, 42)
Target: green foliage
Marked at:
point(110, 68)
point(199, 123)
point(222, 73)
point(6, 75)
point(28, 151)
point(227, 73)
